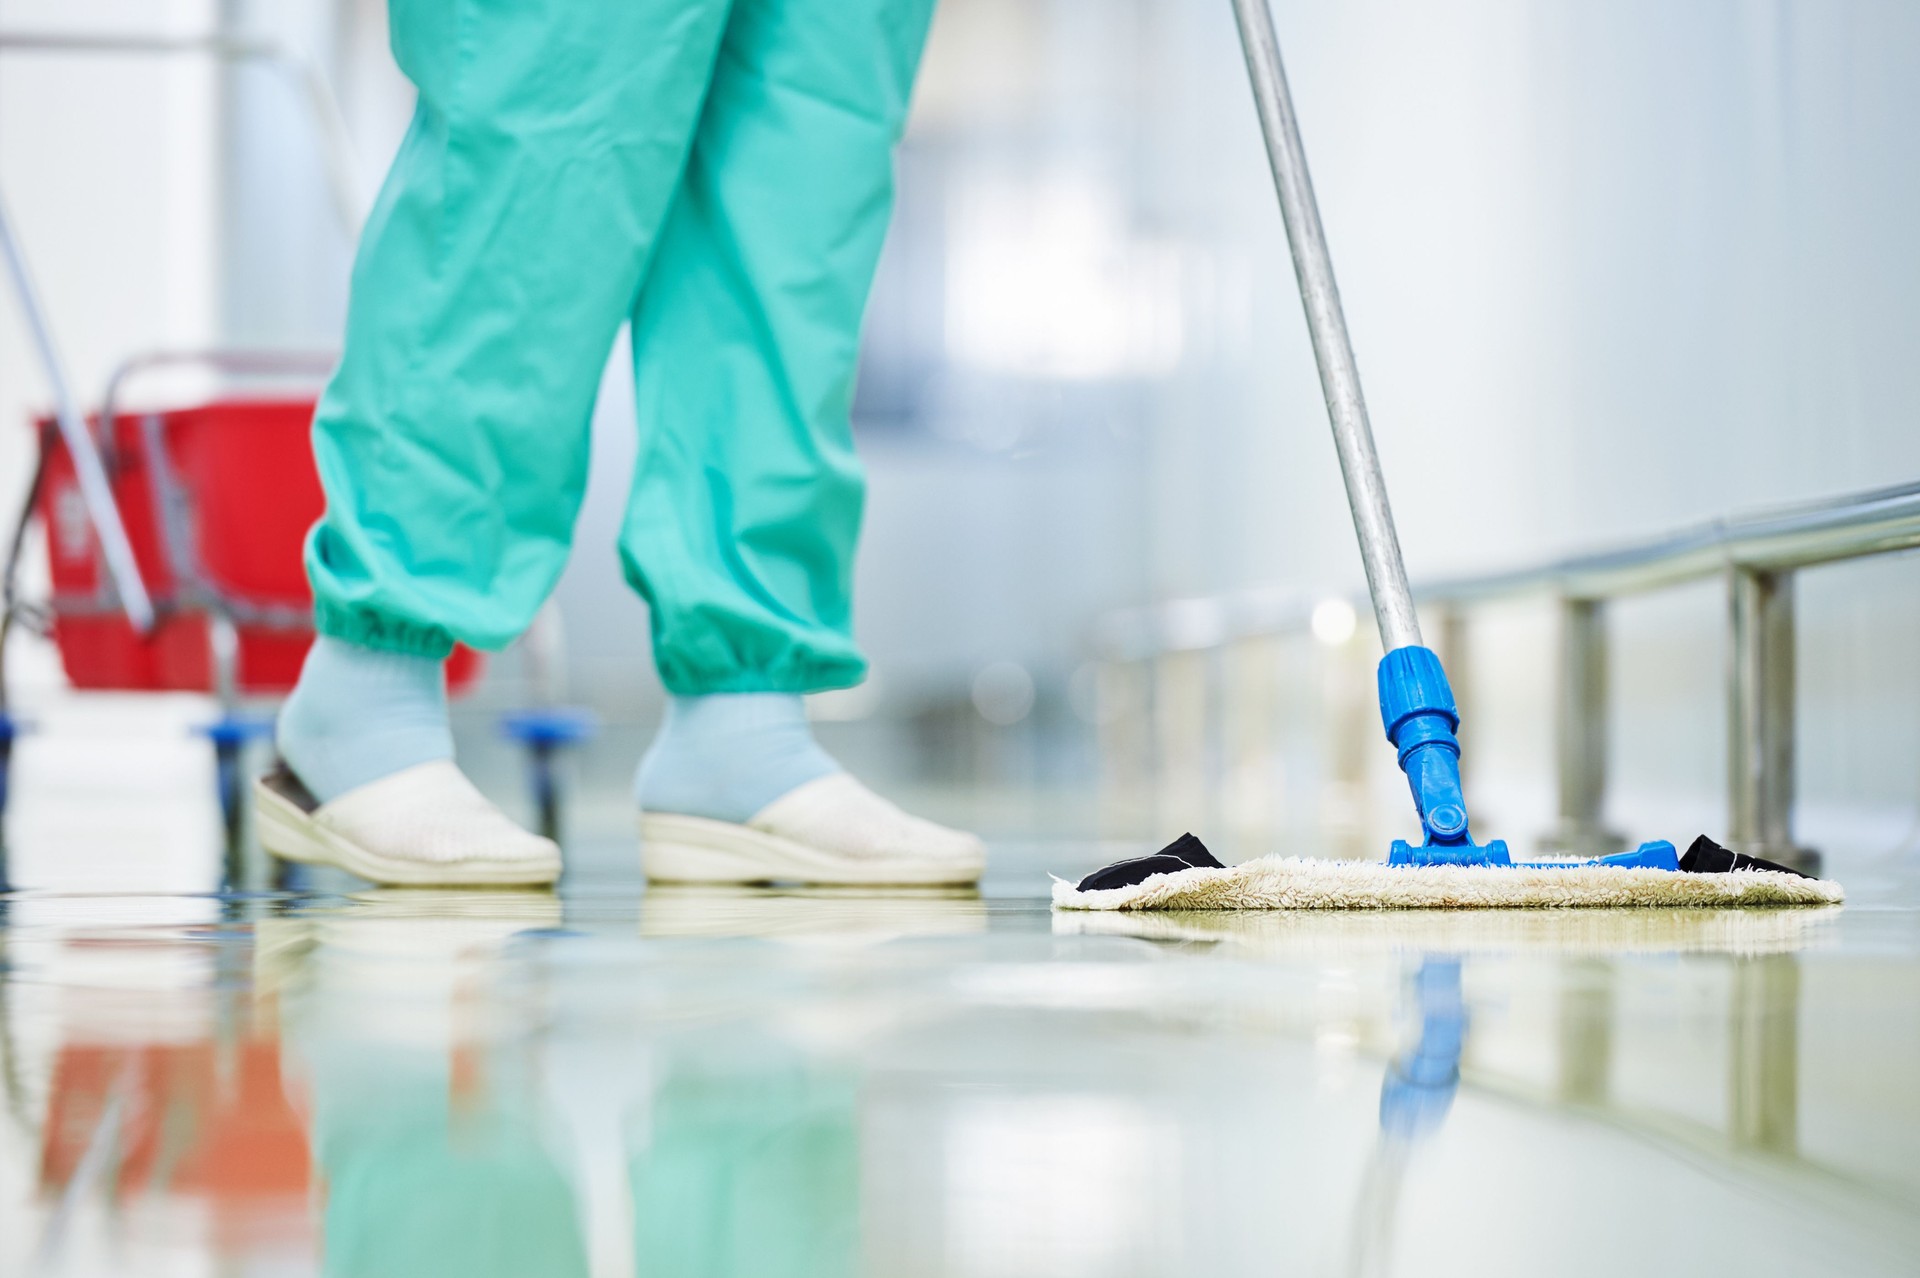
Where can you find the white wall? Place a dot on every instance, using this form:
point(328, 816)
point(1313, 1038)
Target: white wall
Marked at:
point(1608, 268)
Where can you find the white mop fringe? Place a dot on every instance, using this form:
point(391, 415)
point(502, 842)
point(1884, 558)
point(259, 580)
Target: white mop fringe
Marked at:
point(1296, 883)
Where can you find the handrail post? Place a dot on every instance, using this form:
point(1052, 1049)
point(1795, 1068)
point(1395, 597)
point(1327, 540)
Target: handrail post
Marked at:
point(1760, 719)
point(1580, 733)
point(1453, 641)
point(1348, 724)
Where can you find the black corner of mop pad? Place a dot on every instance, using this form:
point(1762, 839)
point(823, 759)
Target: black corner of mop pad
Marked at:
point(1184, 853)
point(1708, 857)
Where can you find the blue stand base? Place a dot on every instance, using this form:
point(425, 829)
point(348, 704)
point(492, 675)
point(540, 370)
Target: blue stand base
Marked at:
point(230, 734)
point(544, 733)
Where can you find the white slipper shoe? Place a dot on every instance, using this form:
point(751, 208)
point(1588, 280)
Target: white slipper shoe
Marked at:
point(424, 826)
point(833, 830)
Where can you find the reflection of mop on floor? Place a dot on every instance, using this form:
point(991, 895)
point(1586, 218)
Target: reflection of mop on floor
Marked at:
point(1415, 1096)
point(1321, 933)
point(408, 962)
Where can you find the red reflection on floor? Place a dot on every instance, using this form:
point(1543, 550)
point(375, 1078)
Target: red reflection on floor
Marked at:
point(199, 1120)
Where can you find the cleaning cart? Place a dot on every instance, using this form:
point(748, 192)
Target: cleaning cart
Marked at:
point(175, 537)
point(174, 546)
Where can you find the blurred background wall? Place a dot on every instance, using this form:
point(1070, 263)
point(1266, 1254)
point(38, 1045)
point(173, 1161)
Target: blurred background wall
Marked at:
point(1610, 268)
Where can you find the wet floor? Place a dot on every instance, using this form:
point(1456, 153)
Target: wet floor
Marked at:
point(767, 1083)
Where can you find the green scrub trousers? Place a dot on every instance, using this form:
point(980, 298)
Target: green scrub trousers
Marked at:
point(717, 172)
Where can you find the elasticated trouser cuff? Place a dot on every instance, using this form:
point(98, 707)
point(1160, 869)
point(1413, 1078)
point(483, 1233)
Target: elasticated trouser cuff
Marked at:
point(384, 634)
point(796, 672)
point(799, 673)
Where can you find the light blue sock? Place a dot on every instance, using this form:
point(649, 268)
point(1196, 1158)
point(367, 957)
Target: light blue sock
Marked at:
point(359, 714)
point(728, 755)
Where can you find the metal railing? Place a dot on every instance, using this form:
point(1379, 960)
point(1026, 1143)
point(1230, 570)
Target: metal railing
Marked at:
point(1758, 555)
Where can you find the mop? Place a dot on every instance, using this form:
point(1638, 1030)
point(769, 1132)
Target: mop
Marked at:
point(1448, 870)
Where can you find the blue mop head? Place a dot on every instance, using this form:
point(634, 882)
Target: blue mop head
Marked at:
point(1421, 718)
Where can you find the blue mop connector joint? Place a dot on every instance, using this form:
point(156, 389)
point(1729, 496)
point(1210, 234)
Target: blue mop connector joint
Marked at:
point(1421, 718)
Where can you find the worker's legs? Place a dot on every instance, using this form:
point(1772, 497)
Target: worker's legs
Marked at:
point(747, 495)
point(424, 1184)
point(498, 265)
point(511, 238)
point(502, 257)
point(431, 1151)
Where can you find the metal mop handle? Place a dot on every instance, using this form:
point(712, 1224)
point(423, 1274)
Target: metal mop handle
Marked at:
point(1417, 707)
point(91, 475)
point(1339, 376)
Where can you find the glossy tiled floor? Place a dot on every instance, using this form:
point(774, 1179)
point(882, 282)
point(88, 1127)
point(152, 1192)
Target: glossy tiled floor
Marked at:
point(704, 1082)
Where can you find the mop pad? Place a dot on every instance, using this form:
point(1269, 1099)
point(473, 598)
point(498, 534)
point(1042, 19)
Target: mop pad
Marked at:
point(1297, 883)
point(1368, 934)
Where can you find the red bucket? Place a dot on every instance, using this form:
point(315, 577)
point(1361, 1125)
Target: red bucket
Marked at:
point(236, 484)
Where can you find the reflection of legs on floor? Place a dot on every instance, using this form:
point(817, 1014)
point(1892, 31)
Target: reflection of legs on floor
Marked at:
point(597, 1086)
point(838, 918)
point(750, 1174)
point(428, 1141)
point(420, 1183)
